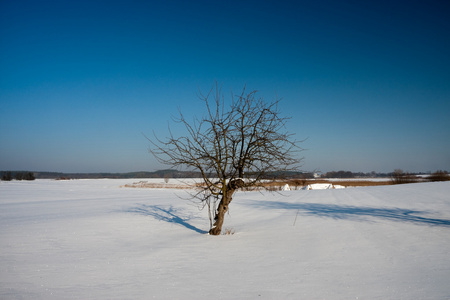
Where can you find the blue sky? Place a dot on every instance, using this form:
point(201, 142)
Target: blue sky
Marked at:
point(367, 83)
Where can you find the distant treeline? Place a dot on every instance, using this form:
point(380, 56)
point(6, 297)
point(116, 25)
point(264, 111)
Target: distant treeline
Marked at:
point(59, 175)
point(17, 175)
point(399, 177)
point(9, 175)
point(27, 175)
point(349, 174)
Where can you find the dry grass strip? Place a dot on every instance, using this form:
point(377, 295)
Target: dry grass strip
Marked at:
point(276, 185)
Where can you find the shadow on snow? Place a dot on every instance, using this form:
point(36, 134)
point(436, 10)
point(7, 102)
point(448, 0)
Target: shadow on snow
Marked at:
point(354, 212)
point(170, 215)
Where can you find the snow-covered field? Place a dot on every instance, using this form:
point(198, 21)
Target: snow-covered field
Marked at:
point(92, 239)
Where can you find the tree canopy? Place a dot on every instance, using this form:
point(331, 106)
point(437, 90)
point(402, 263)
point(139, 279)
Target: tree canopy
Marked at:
point(235, 145)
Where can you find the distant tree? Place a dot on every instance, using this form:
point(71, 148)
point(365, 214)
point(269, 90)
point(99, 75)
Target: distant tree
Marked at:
point(24, 176)
point(233, 147)
point(439, 176)
point(166, 177)
point(7, 176)
point(29, 176)
point(400, 177)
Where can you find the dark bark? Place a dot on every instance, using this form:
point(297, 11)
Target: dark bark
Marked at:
point(220, 214)
point(222, 209)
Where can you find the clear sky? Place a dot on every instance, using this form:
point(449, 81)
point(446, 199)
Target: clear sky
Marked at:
point(366, 82)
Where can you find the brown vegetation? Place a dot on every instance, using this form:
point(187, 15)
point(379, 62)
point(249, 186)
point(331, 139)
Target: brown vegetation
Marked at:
point(228, 231)
point(400, 177)
point(439, 176)
point(299, 183)
point(277, 185)
point(151, 185)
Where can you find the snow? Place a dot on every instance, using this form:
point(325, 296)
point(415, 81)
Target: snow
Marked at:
point(323, 186)
point(93, 239)
point(286, 187)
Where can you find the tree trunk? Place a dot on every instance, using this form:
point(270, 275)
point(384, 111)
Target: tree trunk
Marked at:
point(220, 214)
point(232, 186)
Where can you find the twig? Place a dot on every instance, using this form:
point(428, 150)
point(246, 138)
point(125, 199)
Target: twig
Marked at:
point(296, 217)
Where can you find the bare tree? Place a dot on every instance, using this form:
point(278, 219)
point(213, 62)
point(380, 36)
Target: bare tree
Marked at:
point(400, 177)
point(234, 146)
point(166, 177)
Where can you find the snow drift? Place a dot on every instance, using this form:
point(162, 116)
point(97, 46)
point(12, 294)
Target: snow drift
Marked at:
point(323, 186)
